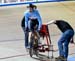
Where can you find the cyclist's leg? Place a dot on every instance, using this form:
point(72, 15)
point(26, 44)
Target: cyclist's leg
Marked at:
point(30, 26)
point(26, 38)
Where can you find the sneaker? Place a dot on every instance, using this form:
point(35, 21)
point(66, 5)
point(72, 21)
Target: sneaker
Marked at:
point(27, 47)
point(61, 58)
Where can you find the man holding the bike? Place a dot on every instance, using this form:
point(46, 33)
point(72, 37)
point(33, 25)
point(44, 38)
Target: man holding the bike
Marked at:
point(63, 42)
point(31, 14)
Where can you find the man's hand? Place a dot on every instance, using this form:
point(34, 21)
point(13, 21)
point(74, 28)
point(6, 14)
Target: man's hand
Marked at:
point(72, 40)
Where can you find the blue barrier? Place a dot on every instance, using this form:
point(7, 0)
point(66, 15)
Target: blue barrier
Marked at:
point(22, 3)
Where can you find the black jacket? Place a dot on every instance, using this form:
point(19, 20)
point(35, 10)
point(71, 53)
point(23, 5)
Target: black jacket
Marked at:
point(23, 22)
point(63, 25)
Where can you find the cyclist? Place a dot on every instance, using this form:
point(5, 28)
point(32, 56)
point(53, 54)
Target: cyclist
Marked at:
point(31, 14)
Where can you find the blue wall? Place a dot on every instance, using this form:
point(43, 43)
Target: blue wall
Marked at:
point(38, 1)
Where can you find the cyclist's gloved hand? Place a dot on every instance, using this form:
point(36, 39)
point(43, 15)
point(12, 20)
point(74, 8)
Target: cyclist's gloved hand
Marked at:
point(38, 29)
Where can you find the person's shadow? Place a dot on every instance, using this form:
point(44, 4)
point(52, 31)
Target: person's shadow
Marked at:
point(42, 57)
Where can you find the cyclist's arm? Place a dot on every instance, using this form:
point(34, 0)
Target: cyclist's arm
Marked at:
point(39, 20)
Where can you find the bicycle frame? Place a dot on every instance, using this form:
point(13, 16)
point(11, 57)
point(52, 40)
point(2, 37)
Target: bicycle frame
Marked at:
point(34, 43)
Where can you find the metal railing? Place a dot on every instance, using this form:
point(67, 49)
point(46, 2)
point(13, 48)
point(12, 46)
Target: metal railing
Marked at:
point(11, 1)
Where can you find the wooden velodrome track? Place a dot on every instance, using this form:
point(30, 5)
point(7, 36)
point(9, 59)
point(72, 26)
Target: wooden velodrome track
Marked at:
point(11, 34)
